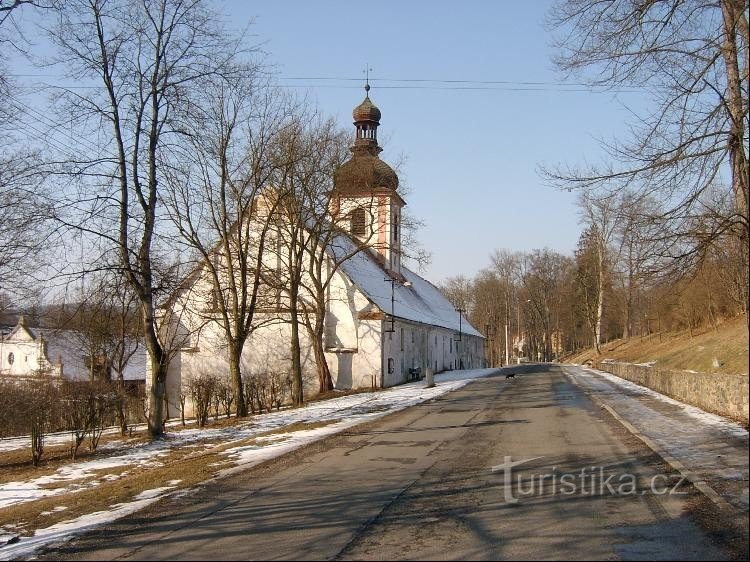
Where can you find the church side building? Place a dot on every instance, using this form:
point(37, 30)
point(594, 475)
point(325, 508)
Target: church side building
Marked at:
point(383, 323)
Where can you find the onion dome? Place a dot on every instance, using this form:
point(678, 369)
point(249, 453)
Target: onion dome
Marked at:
point(366, 111)
point(365, 173)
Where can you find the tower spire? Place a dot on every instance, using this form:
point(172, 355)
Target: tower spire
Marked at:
point(367, 71)
point(366, 120)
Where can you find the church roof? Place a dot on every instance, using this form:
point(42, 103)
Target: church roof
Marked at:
point(363, 174)
point(366, 111)
point(20, 332)
point(421, 302)
point(66, 346)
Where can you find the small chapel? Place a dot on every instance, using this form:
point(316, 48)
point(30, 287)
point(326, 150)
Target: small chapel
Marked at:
point(384, 324)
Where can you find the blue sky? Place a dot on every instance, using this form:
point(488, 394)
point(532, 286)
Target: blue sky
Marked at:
point(471, 154)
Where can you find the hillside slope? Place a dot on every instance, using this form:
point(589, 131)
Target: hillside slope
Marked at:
point(679, 351)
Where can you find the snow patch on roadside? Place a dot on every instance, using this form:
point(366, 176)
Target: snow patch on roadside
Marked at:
point(351, 410)
point(692, 411)
point(61, 531)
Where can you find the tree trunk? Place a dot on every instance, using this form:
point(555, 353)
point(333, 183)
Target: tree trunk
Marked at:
point(599, 295)
point(733, 17)
point(317, 336)
point(156, 411)
point(297, 390)
point(235, 375)
point(121, 418)
point(628, 327)
point(324, 373)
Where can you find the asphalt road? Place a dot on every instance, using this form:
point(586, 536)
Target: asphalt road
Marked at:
point(420, 484)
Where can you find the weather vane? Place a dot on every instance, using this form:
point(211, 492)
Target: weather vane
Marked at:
point(367, 71)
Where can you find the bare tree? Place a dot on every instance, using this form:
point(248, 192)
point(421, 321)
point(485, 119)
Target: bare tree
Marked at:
point(506, 266)
point(486, 307)
point(24, 228)
point(148, 61)
point(298, 170)
point(107, 328)
point(544, 275)
point(331, 246)
point(599, 215)
point(221, 200)
point(458, 290)
point(691, 56)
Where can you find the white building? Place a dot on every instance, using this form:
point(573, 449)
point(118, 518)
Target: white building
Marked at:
point(24, 354)
point(27, 352)
point(383, 322)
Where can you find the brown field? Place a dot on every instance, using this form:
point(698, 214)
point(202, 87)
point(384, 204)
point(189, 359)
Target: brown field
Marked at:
point(187, 465)
point(681, 350)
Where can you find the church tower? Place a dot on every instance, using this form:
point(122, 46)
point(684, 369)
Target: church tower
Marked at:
point(365, 198)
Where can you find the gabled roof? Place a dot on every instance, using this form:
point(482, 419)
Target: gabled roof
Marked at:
point(66, 346)
point(20, 332)
point(421, 302)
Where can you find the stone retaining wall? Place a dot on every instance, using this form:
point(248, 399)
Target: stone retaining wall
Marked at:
point(726, 395)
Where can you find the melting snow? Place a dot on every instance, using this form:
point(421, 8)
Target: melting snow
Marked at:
point(352, 409)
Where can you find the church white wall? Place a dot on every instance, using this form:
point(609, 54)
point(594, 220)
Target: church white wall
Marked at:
point(382, 211)
point(21, 358)
point(352, 343)
point(23, 355)
point(418, 346)
point(356, 344)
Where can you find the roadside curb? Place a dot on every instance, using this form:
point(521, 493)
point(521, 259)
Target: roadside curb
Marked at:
point(699, 483)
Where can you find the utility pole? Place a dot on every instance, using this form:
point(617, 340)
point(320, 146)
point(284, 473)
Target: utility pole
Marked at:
point(460, 330)
point(393, 282)
point(507, 347)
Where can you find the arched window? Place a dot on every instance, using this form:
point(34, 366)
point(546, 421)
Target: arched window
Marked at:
point(11, 358)
point(358, 219)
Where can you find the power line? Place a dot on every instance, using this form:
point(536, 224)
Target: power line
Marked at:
point(471, 88)
point(45, 120)
point(462, 84)
point(429, 84)
point(441, 81)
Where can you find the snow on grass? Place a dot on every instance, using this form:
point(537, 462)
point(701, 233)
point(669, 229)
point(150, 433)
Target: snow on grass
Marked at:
point(64, 479)
point(55, 510)
point(64, 438)
point(61, 531)
point(341, 413)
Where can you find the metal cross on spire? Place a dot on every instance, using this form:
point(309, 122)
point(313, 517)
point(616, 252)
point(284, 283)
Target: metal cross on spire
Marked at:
point(367, 71)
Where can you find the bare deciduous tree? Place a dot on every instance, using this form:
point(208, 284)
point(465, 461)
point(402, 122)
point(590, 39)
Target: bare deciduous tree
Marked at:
point(691, 56)
point(221, 201)
point(25, 213)
point(146, 62)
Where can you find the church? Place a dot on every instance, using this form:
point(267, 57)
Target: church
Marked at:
point(384, 324)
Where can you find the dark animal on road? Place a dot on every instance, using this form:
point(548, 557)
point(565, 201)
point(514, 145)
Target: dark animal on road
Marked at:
point(510, 376)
